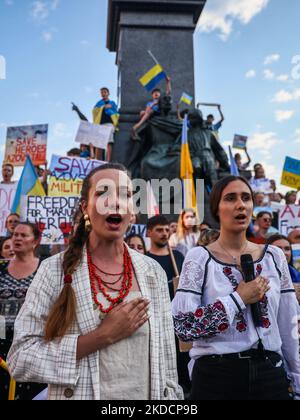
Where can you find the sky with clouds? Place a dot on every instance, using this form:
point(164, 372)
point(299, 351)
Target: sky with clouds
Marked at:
point(247, 58)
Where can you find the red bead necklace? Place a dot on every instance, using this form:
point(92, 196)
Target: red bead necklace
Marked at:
point(97, 281)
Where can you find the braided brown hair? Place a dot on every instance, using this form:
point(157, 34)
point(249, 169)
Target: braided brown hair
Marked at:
point(63, 312)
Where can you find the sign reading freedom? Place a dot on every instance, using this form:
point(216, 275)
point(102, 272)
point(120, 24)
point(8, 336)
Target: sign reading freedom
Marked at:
point(26, 141)
point(52, 215)
point(289, 219)
point(68, 173)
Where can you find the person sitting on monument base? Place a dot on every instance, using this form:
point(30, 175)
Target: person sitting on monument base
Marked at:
point(152, 108)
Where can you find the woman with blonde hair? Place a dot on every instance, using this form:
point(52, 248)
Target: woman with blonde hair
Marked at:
point(96, 323)
point(187, 234)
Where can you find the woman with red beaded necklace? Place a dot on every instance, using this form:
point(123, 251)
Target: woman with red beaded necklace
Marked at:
point(97, 321)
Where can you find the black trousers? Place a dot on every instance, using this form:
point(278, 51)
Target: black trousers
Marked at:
point(224, 379)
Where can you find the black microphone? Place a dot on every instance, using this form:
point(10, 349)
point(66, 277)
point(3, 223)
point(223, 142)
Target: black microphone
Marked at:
point(247, 265)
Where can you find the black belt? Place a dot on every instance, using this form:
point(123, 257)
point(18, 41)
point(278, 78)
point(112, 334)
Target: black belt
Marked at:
point(245, 355)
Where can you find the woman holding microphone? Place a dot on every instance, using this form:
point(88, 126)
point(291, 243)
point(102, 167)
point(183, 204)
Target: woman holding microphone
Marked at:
point(234, 359)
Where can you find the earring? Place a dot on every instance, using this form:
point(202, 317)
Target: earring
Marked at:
point(88, 225)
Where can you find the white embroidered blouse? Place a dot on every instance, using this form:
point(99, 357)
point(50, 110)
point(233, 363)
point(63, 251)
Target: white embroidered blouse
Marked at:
point(208, 311)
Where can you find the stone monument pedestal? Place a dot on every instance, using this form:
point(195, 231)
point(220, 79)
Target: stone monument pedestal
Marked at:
point(166, 28)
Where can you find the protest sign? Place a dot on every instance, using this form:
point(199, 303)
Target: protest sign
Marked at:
point(7, 195)
point(240, 142)
point(291, 173)
point(67, 175)
point(296, 256)
point(289, 219)
point(26, 141)
point(52, 215)
point(262, 185)
point(95, 134)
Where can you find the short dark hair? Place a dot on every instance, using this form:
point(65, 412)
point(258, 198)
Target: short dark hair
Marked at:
point(277, 237)
point(156, 90)
point(8, 164)
point(35, 231)
point(262, 213)
point(210, 116)
point(2, 242)
point(105, 88)
point(217, 191)
point(74, 152)
point(157, 221)
point(257, 166)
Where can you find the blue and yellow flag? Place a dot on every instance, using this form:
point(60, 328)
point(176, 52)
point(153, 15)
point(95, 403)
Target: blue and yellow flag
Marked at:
point(187, 99)
point(153, 77)
point(187, 171)
point(29, 184)
point(291, 173)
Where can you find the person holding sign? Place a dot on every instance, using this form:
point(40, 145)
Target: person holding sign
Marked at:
point(210, 121)
point(96, 323)
point(238, 160)
point(106, 112)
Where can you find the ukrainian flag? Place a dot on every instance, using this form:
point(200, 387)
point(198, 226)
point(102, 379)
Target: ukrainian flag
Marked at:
point(187, 99)
point(187, 171)
point(29, 184)
point(153, 77)
point(291, 173)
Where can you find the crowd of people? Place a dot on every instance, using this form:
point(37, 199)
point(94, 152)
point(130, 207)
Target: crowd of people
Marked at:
point(167, 318)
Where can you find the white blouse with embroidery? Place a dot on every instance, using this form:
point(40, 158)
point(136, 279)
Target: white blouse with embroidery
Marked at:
point(208, 311)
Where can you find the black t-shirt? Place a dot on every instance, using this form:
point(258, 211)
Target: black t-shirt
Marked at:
point(105, 119)
point(166, 263)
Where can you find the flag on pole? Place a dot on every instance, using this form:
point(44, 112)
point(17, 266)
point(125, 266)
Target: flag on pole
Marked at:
point(153, 77)
point(152, 206)
point(187, 99)
point(29, 184)
point(234, 170)
point(186, 170)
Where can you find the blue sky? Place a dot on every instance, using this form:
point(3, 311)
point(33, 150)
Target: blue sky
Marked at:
point(55, 52)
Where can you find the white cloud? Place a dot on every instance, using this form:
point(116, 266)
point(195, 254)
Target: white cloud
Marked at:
point(268, 74)
point(48, 36)
point(221, 15)
point(273, 58)
point(297, 135)
point(284, 96)
point(250, 74)
point(263, 142)
point(40, 9)
point(282, 115)
point(283, 78)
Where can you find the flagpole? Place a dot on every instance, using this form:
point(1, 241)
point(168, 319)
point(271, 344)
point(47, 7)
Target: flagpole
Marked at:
point(153, 58)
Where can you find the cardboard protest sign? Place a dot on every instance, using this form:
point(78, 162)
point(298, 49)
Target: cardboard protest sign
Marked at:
point(7, 195)
point(95, 134)
point(67, 175)
point(240, 142)
point(289, 219)
point(25, 141)
point(291, 173)
point(52, 215)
